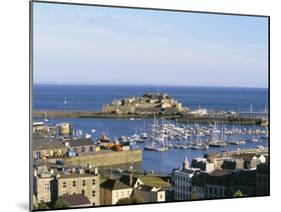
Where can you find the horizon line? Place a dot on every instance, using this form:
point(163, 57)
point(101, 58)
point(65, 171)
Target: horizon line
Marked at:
point(142, 84)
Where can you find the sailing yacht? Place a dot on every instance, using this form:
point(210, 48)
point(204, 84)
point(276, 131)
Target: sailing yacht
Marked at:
point(218, 142)
point(65, 101)
point(46, 116)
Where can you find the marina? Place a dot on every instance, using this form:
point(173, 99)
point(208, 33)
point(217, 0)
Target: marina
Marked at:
point(172, 141)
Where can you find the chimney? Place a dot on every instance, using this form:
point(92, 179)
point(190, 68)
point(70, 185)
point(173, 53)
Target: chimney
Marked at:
point(185, 164)
point(131, 179)
point(96, 171)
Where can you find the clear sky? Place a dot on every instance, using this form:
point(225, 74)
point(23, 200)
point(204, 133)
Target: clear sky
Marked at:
point(100, 45)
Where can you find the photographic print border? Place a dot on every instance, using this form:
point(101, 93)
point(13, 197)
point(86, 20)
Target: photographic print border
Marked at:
point(124, 7)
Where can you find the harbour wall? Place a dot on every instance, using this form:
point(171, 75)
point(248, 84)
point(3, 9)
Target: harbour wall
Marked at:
point(238, 153)
point(106, 158)
point(183, 118)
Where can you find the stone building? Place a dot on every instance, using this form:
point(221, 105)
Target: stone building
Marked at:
point(86, 184)
point(112, 190)
point(48, 148)
point(42, 185)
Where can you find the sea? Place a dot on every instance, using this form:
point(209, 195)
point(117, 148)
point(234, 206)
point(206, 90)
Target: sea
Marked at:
point(93, 97)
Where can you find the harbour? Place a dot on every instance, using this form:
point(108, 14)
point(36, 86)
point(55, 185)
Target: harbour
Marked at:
point(158, 161)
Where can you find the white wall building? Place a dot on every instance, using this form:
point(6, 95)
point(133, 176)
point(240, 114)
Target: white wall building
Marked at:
point(112, 190)
point(183, 181)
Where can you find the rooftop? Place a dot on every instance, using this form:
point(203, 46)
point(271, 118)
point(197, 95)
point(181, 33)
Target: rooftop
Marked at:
point(220, 172)
point(75, 175)
point(114, 184)
point(126, 179)
point(75, 200)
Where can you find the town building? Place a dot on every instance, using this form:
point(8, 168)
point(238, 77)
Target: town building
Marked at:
point(233, 163)
point(218, 183)
point(148, 194)
point(130, 180)
point(203, 164)
point(262, 179)
point(112, 190)
point(42, 185)
point(183, 181)
point(51, 147)
point(86, 184)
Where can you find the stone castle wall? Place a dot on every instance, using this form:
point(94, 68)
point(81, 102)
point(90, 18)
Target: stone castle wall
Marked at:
point(106, 158)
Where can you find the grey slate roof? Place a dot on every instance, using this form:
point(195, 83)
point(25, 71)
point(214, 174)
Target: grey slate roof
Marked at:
point(75, 200)
point(80, 142)
point(114, 184)
point(126, 180)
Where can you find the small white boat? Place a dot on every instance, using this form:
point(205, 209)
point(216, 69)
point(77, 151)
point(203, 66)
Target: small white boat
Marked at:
point(65, 101)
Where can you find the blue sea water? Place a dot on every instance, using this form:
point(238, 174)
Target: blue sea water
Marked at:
point(93, 97)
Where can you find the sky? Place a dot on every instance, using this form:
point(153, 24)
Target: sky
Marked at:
point(74, 44)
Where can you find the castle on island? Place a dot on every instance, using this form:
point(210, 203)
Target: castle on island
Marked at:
point(148, 104)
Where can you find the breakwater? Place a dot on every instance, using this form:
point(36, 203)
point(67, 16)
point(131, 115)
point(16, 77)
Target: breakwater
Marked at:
point(107, 158)
point(181, 117)
point(237, 153)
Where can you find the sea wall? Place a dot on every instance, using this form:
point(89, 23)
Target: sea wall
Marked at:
point(106, 158)
point(238, 153)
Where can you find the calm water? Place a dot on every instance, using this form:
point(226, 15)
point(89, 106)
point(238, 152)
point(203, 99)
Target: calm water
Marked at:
point(160, 162)
point(89, 98)
point(92, 98)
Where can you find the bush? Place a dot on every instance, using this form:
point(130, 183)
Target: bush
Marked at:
point(126, 201)
point(60, 204)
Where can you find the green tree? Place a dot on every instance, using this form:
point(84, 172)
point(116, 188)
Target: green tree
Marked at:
point(42, 206)
point(60, 204)
point(194, 195)
point(238, 193)
point(129, 200)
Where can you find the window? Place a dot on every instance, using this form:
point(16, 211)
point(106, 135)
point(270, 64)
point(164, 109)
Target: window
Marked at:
point(84, 182)
point(94, 181)
point(64, 184)
point(128, 193)
point(47, 187)
point(221, 192)
point(74, 183)
point(116, 194)
point(215, 191)
point(93, 193)
point(122, 193)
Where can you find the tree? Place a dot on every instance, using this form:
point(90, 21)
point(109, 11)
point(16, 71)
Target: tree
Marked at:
point(238, 193)
point(42, 206)
point(194, 195)
point(129, 200)
point(60, 204)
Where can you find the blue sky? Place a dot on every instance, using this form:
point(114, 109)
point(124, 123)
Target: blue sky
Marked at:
point(100, 45)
